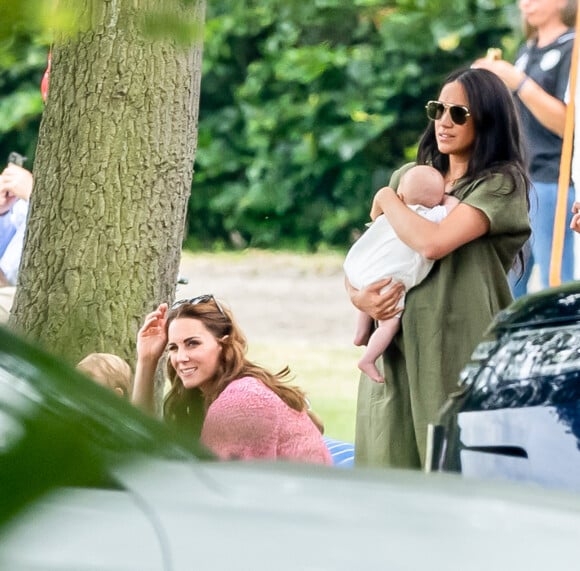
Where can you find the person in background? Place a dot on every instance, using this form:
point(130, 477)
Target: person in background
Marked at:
point(575, 166)
point(15, 189)
point(238, 409)
point(109, 371)
point(474, 140)
point(539, 81)
point(379, 253)
point(575, 222)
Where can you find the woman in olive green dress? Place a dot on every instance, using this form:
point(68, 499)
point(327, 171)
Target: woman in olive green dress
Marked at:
point(473, 139)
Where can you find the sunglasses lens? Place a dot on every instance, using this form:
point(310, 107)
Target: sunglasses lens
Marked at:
point(435, 110)
point(458, 114)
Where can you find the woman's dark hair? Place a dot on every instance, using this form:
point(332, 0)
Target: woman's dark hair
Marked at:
point(498, 140)
point(499, 145)
point(187, 406)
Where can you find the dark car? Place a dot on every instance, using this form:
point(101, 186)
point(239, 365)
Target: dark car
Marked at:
point(88, 482)
point(516, 413)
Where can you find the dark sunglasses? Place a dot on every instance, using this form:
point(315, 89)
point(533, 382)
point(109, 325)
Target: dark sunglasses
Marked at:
point(458, 113)
point(205, 298)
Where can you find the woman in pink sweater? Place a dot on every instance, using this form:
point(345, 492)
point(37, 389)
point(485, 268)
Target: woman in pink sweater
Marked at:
point(242, 410)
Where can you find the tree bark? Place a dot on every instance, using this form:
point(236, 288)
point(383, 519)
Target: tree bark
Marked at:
point(113, 174)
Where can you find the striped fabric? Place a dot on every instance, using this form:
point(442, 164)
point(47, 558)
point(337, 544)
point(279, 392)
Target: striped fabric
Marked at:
point(342, 452)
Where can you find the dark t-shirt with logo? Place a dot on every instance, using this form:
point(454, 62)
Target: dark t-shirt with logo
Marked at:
point(549, 67)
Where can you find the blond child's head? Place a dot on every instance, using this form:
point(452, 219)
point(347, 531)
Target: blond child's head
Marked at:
point(109, 371)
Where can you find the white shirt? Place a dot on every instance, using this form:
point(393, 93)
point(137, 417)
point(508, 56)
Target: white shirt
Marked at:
point(12, 228)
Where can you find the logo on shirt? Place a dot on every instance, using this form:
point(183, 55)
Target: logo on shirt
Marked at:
point(550, 60)
point(522, 62)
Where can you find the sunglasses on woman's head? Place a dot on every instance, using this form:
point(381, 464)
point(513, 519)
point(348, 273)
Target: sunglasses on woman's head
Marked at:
point(205, 298)
point(458, 113)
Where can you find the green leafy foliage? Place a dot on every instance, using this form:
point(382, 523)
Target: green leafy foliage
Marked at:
point(20, 102)
point(307, 107)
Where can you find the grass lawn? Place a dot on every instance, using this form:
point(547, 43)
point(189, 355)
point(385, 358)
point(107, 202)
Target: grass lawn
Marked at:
point(328, 375)
point(294, 312)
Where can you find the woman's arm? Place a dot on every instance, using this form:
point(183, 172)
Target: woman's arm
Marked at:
point(151, 342)
point(548, 110)
point(432, 240)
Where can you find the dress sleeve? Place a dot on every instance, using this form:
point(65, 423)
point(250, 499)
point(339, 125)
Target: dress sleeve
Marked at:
point(502, 199)
point(243, 422)
point(396, 176)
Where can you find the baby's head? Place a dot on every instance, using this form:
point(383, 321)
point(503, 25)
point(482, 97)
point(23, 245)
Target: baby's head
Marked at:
point(422, 184)
point(109, 371)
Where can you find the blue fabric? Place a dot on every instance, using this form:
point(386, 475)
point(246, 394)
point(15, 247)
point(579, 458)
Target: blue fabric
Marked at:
point(7, 231)
point(342, 452)
point(542, 212)
point(542, 219)
point(12, 229)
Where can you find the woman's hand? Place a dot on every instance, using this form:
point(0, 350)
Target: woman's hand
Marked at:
point(575, 223)
point(378, 305)
point(547, 109)
point(506, 71)
point(152, 338)
point(151, 342)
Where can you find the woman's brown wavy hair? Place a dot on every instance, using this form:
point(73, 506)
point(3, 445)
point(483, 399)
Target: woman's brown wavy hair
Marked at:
point(189, 405)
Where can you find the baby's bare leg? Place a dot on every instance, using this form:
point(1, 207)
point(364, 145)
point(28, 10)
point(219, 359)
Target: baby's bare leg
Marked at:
point(378, 342)
point(364, 325)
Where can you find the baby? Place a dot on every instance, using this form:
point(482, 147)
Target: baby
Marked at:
point(379, 253)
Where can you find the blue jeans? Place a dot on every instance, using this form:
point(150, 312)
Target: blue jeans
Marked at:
point(542, 212)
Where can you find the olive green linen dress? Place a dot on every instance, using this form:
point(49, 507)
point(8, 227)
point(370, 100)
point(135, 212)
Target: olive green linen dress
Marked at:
point(444, 318)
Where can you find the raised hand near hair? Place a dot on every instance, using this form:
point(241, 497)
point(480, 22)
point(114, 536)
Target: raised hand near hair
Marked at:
point(152, 338)
point(151, 342)
point(506, 71)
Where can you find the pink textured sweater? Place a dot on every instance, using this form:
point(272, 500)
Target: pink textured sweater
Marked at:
point(249, 421)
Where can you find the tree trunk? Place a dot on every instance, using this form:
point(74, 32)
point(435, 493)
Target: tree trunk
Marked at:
point(113, 173)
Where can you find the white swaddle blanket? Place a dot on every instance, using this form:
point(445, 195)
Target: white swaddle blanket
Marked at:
point(379, 253)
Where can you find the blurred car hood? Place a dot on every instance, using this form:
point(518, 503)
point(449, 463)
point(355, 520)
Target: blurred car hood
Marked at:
point(251, 516)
